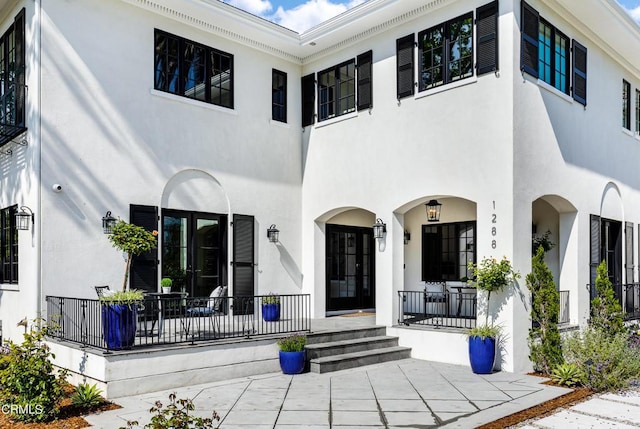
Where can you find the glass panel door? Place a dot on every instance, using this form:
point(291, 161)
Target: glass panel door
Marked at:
point(174, 250)
point(350, 269)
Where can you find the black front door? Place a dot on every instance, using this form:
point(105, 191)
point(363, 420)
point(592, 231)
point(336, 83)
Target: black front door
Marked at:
point(350, 268)
point(194, 250)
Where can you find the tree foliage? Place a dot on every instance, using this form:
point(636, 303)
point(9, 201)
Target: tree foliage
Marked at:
point(133, 240)
point(606, 311)
point(544, 336)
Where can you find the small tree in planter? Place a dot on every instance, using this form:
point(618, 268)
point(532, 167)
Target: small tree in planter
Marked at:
point(119, 310)
point(606, 311)
point(292, 353)
point(490, 276)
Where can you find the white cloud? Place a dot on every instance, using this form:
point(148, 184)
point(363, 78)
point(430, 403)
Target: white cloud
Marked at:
point(256, 7)
point(309, 14)
point(635, 13)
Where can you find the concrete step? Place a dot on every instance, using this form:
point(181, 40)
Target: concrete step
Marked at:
point(340, 335)
point(357, 359)
point(319, 350)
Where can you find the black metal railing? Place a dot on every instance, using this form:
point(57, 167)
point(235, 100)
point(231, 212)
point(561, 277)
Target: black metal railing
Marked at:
point(628, 295)
point(563, 316)
point(439, 309)
point(174, 320)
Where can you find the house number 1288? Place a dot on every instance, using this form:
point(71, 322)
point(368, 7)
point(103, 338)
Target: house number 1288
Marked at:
point(494, 231)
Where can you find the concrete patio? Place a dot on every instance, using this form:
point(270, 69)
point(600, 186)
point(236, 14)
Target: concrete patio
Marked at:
point(406, 393)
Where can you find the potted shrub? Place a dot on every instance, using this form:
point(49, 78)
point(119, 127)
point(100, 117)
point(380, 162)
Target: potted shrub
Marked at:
point(271, 308)
point(292, 354)
point(120, 309)
point(490, 276)
point(166, 284)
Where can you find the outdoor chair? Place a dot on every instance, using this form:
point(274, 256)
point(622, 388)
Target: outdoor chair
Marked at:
point(435, 295)
point(211, 307)
point(101, 290)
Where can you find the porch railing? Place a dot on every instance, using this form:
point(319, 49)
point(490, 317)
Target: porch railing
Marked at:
point(164, 321)
point(448, 309)
point(628, 295)
point(563, 316)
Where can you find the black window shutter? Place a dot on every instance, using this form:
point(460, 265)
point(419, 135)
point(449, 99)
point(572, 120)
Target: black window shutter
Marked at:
point(404, 63)
point(628, 242)
point(487, 38)
point(529, 42)
point(365, 80)
point(19, 33)
point(243, 260)
point(308, 98)
point(579, 73)
point(594, 258)
point(144, 268)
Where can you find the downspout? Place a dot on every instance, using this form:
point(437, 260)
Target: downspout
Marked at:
point(38, 62)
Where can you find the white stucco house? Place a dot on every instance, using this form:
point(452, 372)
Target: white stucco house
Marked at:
point(211, 125)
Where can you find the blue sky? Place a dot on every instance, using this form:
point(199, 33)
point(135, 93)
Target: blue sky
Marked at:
point(300, 15)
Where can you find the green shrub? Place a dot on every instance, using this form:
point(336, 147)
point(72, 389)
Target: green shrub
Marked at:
point(606, 311)
point(29, 381)
point(607, 360)
point(271, 299)
point(176, 416)
point(544, 336)
point(567, 374)
point(484, 331)
point(166, 282)
point(86, 396)
point(292, 343)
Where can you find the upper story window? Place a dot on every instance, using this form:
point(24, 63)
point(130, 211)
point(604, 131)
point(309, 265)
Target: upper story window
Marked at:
point(337, 90)
point(446, 52)
point(8, 245)
point(186, 68)
point(553, 57)
point(626, 105)
point(341, 89)
point(278, 96)
point(12, 80)
point(545, 54)
point(637, 112)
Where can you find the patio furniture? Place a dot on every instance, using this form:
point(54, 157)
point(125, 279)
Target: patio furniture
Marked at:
point(169, 298)
point(435, 293)
point(102, 290)
point(211, 307)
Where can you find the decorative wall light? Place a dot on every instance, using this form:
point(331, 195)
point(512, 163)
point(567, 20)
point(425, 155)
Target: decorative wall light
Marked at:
point(379, 229)
point(108, 222)
point(407, 236)
point(433, 210)
point(23, 217)
point(273, 233)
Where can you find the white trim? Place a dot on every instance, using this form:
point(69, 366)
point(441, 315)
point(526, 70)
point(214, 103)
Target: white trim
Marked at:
point(10, 286)
point(192, 102)
point(628, 132)
point(555, 91)
point(337, 119)
point(280, 124)
point(457, 84)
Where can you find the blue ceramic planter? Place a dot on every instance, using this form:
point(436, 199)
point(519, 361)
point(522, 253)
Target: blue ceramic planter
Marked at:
point(292, 362)
point(482, 354)
point(270, 312)
point(119, 325)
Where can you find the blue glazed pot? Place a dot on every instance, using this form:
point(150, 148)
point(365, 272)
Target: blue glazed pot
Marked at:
point(119, 325)
point(292, 362)
point(270, 312)
point(482, 354)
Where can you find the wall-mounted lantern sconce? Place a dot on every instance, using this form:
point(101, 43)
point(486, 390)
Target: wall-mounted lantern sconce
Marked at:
point(433, 210)
point(23, 218)
point(108, 222)
point(407, 236)
point(379, 229)
point(273, 233)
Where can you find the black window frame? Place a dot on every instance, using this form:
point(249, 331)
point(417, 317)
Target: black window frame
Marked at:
point(8, 245)
point(626, 104)
point(12, 80)
point(278, 95)
point(335, 92)
point(637, 117)
point(434, 263)
point(443, 51)
point(172, 75)
point(555, 66)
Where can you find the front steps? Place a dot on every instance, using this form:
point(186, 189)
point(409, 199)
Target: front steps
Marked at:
point(336, 350)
